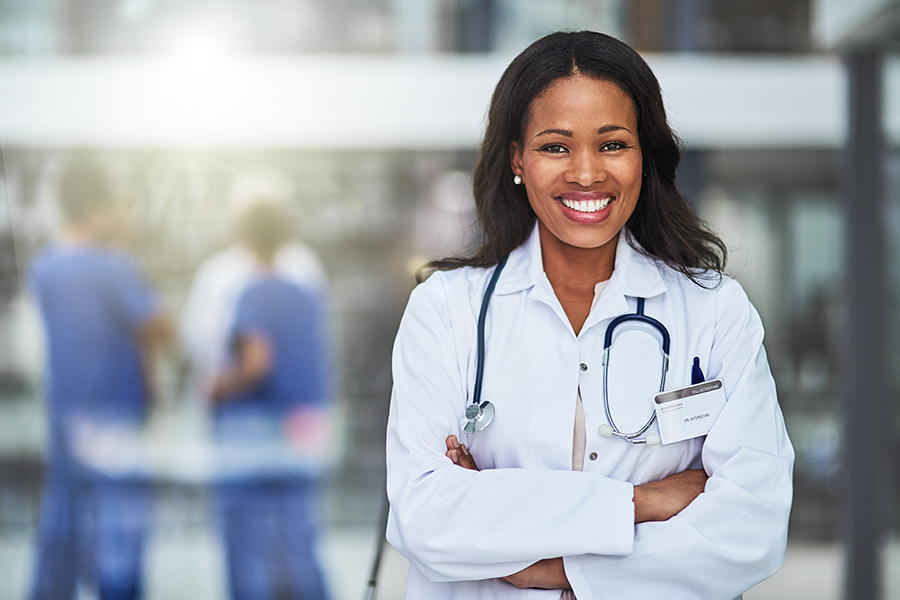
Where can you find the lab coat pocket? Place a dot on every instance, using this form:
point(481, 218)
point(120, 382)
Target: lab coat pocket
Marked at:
point(665, 460)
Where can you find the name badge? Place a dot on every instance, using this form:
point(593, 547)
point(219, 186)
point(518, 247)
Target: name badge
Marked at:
point(688, 412)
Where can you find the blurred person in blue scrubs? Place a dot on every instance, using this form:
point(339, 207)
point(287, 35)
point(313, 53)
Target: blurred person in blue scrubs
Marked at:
point(102, 325)
point(221, 278)
point(270, 408)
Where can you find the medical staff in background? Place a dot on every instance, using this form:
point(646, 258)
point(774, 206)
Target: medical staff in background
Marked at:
point(103, 326)
point(209, 308)
point(270, 413)
point(560, 488)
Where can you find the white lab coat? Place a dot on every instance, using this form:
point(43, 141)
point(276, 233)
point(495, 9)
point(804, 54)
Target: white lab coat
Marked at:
point(462, 530)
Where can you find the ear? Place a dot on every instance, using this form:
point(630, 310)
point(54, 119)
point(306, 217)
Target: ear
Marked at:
point(515, 159)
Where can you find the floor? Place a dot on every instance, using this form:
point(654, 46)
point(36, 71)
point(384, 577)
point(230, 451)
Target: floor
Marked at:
point(190, 566)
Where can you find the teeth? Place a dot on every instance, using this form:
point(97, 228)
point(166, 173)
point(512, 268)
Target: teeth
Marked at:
point(587, 206)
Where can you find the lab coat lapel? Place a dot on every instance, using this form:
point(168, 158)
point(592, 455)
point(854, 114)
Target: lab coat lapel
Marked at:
point(635, 276)
point(525, 271)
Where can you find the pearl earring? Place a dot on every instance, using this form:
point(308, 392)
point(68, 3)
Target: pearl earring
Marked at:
point(517, 180)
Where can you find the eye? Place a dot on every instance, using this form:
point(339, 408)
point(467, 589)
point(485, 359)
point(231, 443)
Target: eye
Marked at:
point(554, 149)
point(612, 146)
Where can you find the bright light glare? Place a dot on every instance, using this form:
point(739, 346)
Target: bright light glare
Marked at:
point(202, 43)
point(203, 47)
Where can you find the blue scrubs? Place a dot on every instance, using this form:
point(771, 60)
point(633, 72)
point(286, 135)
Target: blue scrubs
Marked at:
point(268, 516)
point(93, 302)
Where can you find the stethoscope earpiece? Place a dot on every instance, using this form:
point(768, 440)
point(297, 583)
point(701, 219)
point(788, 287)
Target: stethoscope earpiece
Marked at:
point(606, 431)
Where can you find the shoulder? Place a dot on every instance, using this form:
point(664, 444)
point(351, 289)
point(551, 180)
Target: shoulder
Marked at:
point(226, 264)
point(115, 269)
point(447, 300)
point(86, 261)
point(719, 296)
point(275, 288)
point(299, 263)
point(707, 284)
point(451, 286)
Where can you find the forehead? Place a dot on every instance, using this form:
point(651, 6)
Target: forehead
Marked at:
point(585, 100)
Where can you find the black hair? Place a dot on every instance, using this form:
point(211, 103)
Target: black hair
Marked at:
point(84, 189)
point(662, 223)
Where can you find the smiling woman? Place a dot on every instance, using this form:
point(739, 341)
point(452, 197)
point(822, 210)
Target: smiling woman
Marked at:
point(581, 165)
point(583, 229)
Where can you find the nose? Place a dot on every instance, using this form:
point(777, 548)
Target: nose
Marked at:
point(586, 168)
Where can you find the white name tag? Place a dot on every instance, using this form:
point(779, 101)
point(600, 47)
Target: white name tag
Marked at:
point(688, 412)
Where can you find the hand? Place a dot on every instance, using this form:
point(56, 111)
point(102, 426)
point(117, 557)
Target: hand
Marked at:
point(459, 454)
point(547, 574)
point(661, 500)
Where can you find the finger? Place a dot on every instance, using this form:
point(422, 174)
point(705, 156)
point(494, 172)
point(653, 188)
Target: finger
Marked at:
point(452, 442)
point(466, 458)
point(468, 462)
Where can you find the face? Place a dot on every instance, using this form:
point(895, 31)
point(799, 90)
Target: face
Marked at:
point(580, 161)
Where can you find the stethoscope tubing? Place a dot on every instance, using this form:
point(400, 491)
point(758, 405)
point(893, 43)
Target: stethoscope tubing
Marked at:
point(482, 317)
point(638, 315)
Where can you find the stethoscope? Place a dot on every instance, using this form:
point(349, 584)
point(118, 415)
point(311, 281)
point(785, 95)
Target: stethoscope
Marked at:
point(479, 413)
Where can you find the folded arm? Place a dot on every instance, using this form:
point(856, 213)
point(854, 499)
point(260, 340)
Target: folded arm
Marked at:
point(653, 501)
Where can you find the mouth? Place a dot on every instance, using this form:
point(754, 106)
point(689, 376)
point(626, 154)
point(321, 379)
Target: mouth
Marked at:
point(586, 206)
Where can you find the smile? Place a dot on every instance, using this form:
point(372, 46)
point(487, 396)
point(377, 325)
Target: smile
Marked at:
point(586, 206)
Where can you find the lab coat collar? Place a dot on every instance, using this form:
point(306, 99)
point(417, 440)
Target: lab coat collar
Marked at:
point(525, 267)
point(636, 274)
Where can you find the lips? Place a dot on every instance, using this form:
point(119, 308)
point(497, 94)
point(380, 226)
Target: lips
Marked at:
point(586, 207)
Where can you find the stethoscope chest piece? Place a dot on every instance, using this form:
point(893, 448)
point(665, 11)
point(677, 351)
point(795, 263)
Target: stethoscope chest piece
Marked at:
point(477, 417)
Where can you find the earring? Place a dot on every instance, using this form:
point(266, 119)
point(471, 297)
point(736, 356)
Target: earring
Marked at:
point(517, 180)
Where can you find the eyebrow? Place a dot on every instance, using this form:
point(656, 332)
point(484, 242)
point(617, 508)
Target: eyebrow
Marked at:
point(568, 134)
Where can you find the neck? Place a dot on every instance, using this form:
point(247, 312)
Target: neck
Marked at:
point(78, 235)
point(575, 271)
point(265, 262)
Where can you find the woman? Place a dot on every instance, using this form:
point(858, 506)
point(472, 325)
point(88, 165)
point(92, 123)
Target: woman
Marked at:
point(575, 183)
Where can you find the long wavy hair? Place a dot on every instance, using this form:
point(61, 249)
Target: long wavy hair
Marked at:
point(662, 223)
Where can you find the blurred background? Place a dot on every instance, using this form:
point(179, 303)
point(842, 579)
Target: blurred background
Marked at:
point(364, 116)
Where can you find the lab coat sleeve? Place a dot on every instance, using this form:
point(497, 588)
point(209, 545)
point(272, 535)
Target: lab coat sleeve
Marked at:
point(455, 524)
point(734, 534)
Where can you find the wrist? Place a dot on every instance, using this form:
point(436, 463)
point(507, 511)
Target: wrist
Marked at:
point(642, 505)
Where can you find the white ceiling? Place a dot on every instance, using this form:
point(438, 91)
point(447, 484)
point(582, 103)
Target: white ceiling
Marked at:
point(341, 102)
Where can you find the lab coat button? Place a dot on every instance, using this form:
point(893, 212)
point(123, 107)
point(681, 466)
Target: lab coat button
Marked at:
point(592, 456)
point(583, 366)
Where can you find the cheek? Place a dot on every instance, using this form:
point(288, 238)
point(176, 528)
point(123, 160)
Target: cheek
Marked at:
point(542, 179)
point(634, 176)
